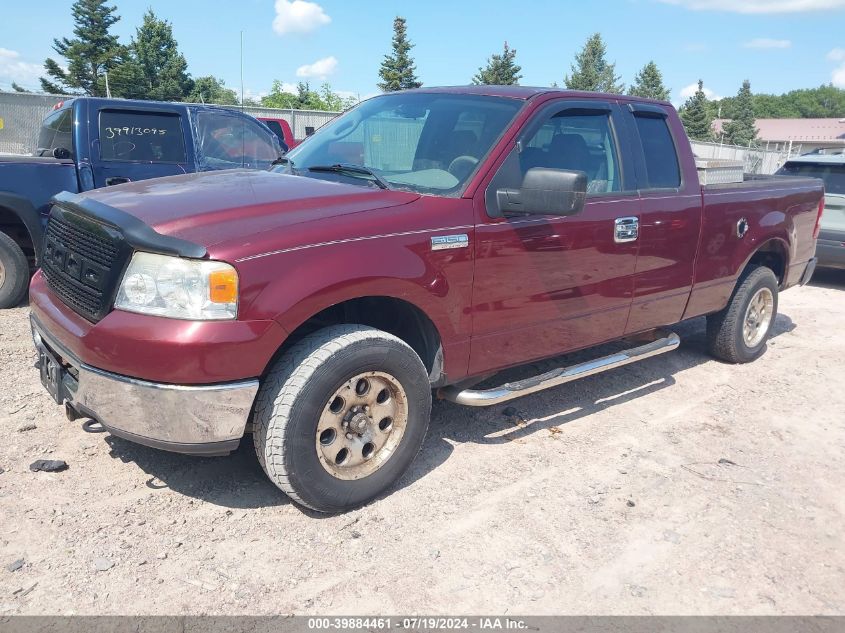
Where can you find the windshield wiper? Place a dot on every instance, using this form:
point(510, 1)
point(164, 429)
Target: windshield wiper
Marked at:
point(347, 168)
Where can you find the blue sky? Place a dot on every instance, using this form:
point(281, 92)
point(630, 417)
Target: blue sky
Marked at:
point(779, 45)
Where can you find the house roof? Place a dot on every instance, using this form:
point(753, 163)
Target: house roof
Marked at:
point(830, 131)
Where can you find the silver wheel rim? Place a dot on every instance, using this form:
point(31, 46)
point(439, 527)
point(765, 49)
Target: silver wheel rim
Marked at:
point(361, 425)
point(758, 317)
point(2, 274)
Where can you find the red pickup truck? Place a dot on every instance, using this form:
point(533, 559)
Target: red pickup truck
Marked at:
point(422, 241)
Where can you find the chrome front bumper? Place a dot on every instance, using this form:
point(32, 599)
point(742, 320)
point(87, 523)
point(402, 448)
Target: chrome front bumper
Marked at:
point(202, 419)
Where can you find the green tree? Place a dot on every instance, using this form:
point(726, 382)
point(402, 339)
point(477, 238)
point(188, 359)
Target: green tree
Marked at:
point(398, 71)
point(17, 88)
point(92, 52)
point(649, 83)
point(163, 67)
point(697, 116)
point(741, 129)
point(591, 70)
point(306, 99)
point(501, 70)
point(210, 89)
point(826, 101)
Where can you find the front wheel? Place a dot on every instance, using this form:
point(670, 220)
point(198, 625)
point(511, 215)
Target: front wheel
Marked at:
point(341, 416)
point(738, 334)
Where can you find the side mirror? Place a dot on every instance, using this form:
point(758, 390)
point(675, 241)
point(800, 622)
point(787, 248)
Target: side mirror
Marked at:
point(61, 153)
point(545, 191)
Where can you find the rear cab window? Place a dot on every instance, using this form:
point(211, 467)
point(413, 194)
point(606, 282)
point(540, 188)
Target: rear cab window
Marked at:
point(660, 155)
point(141, 137)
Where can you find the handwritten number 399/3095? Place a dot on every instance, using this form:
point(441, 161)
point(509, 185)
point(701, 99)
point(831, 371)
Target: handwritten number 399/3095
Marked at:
point(112, 132)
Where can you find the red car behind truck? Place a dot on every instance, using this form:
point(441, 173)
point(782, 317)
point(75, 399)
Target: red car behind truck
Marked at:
point(423, 240)
point(281, 129)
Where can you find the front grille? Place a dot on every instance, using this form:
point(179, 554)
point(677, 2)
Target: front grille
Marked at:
point(81, 262)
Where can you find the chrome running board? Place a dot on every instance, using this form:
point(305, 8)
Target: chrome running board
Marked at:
point(662, 342)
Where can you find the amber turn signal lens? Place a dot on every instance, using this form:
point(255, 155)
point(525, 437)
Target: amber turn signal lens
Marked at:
point(223, 286)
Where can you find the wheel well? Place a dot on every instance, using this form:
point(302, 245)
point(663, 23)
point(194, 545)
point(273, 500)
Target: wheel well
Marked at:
point(772, 255)
point(13, 226)
point(395, 316)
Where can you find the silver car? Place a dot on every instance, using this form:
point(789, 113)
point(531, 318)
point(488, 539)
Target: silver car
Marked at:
point(831, 169)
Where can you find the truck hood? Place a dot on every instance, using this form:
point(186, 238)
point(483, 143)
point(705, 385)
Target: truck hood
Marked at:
point(232, 206)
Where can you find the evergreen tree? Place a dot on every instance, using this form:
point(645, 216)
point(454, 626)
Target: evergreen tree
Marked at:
point(91, 53)
point(164, 69)
point(398, 71)
point(740, 130)
point(211, 90)
point(649, 83)
point(17, 88)
point(501, 70)
point(591, 70)
point(697, 116)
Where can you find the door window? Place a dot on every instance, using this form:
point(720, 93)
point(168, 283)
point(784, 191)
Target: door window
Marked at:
point(56, 132)
point(229, 142)
point(577, 141)
point(141, 137)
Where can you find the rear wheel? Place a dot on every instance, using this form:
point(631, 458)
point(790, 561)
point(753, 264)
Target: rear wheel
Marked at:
point(14, 273)
point(341, 416)
point(738, 334)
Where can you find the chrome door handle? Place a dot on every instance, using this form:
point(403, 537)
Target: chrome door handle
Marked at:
point(626, 229)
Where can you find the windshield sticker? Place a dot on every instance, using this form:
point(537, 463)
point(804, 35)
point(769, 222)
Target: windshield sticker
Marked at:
point(113, 132)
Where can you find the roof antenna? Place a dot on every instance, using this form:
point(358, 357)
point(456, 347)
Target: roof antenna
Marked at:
point(242, 70)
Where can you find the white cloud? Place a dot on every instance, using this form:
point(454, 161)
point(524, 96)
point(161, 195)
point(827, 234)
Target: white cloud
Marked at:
point(758, 6)
point(765, 42)
point(690, 90)
point(837, 76)
point(298, 16)
point(256, 95)
point(321, 69)
point(13, 68)
point(289, 87)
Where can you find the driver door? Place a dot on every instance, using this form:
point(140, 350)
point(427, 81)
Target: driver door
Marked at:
point(544, 284)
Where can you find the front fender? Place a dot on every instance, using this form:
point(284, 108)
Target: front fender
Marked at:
point(28, 214)
point(291, 287)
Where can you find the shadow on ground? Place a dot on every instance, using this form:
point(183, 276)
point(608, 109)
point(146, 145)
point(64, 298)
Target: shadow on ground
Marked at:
point(829, 278)
point(237, 481)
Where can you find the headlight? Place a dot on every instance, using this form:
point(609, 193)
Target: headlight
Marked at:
point(179, 288)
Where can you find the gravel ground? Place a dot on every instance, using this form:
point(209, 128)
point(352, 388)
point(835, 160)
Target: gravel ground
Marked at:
point(679, 485)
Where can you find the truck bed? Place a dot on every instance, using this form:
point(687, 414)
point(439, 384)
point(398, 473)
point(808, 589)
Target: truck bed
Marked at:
point(778, 214)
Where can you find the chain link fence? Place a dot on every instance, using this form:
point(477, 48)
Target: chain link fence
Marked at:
point(757, 160)
point(21, 115)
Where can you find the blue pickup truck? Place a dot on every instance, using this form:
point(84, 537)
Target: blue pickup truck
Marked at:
point(86, 143)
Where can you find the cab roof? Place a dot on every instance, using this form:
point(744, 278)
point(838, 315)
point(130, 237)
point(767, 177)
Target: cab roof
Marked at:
point(526, 92)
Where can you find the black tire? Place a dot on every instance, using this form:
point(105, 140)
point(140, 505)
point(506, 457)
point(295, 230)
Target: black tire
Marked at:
point(725, 338)
point(296, 392)
point(14, 276)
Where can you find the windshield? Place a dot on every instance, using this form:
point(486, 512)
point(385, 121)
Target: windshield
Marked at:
point(832, 175)
point(428, 143)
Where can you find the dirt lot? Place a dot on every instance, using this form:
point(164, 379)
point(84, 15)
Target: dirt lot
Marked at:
point(609, 498)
